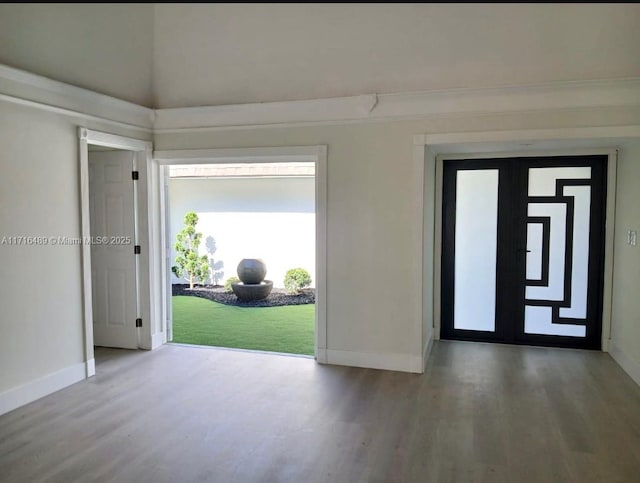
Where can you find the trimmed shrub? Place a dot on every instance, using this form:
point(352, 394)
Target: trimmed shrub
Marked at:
point(296, 279)
point(227, 284)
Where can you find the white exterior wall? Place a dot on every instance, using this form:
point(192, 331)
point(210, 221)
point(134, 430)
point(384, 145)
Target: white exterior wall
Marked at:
point(268, 218)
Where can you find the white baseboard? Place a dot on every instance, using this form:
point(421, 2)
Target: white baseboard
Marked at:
point(21, 395)
point(630, 366)
point(158, 339)
point(427, 351)
point(153, 342)
point(91, 367)
point(321, 356)
point(390, 362)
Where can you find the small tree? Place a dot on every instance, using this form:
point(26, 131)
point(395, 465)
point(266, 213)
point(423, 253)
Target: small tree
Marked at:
point(189, 264)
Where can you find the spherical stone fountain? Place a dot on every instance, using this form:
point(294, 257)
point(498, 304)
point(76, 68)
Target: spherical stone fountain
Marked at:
point(253, 286)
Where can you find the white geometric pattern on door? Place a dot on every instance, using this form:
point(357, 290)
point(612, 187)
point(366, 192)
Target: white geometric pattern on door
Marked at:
point(560, 199)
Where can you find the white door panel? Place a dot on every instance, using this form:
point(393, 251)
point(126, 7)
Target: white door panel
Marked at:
point(113, 267)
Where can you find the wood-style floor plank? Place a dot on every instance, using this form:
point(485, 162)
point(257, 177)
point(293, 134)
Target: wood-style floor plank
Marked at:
point(481, 413)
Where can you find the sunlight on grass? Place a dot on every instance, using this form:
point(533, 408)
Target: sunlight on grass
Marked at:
point(287, 329)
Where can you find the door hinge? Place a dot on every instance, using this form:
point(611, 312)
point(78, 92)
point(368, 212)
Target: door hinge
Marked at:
point(135, 175)
point(136, 250)
point(138, 322)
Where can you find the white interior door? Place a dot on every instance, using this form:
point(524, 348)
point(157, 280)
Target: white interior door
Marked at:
point(113, 262)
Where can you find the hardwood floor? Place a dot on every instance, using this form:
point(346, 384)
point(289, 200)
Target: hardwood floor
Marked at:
point(481, 412)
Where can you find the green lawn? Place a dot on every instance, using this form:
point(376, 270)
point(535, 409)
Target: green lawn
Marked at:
point(287, 329)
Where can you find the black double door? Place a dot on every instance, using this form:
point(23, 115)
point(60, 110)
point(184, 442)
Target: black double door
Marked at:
point(523, 250)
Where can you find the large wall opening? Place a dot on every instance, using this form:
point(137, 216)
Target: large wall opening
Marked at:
point(265, 203)
point(244, 211)
point(247, 210)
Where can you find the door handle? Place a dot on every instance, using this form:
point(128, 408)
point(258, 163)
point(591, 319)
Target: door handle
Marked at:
point(522, 250)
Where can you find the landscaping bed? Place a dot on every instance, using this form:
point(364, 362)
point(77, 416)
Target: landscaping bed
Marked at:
point(278, 296)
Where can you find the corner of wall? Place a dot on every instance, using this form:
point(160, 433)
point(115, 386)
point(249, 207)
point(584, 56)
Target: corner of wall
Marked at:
point(631, 367)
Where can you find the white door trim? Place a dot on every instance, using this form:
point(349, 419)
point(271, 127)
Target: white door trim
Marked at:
point(493, 144)
point(165, 241)
point(143, 156)
point(316, 154)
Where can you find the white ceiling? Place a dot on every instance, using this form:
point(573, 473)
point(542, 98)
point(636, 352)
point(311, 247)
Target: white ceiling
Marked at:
point(180, 55)
point(107, 48)
point(208, 54)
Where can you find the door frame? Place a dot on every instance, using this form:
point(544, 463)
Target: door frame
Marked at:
point(566, 158)
point(609, 222)
point(427, 148)
point(316, 154)
point(142, 151)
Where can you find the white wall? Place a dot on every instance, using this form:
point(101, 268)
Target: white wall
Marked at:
point(371, 298)
point(103, 47)
point(214, 54)
point(41, 320)
point(268, 218)
point(625, 330)
point(41, 326)
point(373, 266)
point(374, 302)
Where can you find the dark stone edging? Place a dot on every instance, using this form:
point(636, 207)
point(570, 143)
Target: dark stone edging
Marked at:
point(277, 298)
